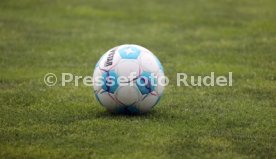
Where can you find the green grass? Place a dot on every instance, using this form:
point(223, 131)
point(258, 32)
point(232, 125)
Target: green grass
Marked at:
point(194, 36)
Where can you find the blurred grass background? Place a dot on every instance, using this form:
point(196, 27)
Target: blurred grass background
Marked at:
point(192, 36)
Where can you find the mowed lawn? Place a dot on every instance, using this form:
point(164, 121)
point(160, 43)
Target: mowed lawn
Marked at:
point(196, 37)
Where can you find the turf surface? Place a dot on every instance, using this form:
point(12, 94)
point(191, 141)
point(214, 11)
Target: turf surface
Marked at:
point(194, 36)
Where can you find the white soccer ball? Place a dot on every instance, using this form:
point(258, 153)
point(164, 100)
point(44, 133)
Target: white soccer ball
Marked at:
point(128, 79)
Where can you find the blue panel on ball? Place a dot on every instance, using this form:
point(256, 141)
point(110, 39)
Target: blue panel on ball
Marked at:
point(110, 81)
point(133, 110)
point(129, 52)
point(146, 83)
point(128, 110)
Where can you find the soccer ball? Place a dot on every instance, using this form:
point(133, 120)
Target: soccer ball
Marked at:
point(128, 79)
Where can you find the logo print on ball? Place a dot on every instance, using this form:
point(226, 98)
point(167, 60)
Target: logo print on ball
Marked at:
point(109, 59)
